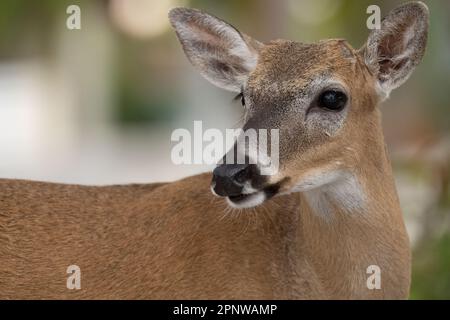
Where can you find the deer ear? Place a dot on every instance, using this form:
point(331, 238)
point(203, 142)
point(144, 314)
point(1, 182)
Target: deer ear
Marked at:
point(393, 52)
point(221, 53)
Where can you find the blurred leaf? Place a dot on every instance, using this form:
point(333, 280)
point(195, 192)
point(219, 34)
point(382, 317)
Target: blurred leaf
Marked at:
point(431, 269)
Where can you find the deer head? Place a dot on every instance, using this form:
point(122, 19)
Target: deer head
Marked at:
point(322, 97)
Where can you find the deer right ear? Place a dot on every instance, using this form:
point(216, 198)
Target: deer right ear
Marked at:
point(393, 52)
point(221, 53)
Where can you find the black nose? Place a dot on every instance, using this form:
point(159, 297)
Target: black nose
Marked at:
point(228, 179)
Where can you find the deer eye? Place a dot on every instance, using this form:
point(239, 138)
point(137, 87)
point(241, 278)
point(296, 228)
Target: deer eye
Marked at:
point(332, 100)
point(240, 96)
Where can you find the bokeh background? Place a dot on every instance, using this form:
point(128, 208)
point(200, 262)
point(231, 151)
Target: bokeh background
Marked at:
point(98, 105)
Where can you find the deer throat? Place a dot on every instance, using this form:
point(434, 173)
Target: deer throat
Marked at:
point(334, 191)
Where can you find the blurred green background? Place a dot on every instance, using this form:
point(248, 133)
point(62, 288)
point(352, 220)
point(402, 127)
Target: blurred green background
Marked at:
point(98, 105)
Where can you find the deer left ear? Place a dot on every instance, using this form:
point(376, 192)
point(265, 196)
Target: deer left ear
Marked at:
point(393, 52)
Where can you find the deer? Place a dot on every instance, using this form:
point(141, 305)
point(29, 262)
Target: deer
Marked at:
point(309, 230)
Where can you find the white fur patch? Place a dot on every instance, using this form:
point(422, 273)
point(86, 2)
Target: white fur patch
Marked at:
point(213, 185)
point(328, 190)
point(248, 189)
point(253, 200)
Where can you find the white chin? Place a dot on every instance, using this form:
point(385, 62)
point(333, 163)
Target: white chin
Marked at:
point(247, 200)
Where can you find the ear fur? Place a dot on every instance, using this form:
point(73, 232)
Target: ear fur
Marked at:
point(393, 52)
point(220, 52)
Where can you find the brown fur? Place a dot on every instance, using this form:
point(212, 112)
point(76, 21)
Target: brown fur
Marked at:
point(176, 241)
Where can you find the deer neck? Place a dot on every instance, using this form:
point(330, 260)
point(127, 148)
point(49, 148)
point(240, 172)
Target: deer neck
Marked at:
point(352, 223)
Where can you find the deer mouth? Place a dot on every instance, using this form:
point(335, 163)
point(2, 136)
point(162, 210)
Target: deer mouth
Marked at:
point(253, 199)
point(247, 200)
point(242, 185)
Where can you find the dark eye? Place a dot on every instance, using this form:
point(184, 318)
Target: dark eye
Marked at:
point(240, 96)
point(332, 100)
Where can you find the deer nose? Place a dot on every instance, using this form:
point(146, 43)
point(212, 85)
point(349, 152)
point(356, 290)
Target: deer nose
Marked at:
point(228, 179)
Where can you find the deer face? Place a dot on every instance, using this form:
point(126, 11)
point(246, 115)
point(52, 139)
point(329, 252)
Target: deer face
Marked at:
point(321, 97)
